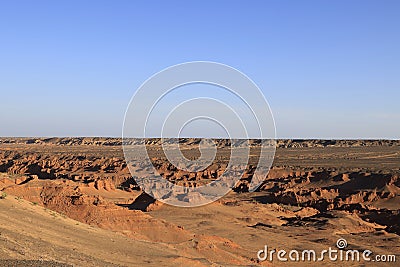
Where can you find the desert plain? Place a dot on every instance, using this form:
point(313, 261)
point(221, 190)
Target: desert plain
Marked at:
point(73, 202)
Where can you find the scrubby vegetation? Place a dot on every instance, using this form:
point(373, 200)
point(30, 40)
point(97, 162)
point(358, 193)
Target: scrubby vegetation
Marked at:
point(3, 195)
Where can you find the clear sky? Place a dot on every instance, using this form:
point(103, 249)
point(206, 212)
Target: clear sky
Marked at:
point(329, 69)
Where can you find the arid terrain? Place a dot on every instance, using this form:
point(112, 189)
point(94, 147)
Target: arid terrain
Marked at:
point(73, 201)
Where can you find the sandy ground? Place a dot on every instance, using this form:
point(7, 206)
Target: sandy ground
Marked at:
point(29, 231)
point(76, 204)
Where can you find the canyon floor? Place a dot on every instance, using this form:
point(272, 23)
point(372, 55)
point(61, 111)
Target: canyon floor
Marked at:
point(73, 202)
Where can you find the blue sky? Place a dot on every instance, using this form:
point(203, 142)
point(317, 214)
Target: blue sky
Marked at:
point(329, 69)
